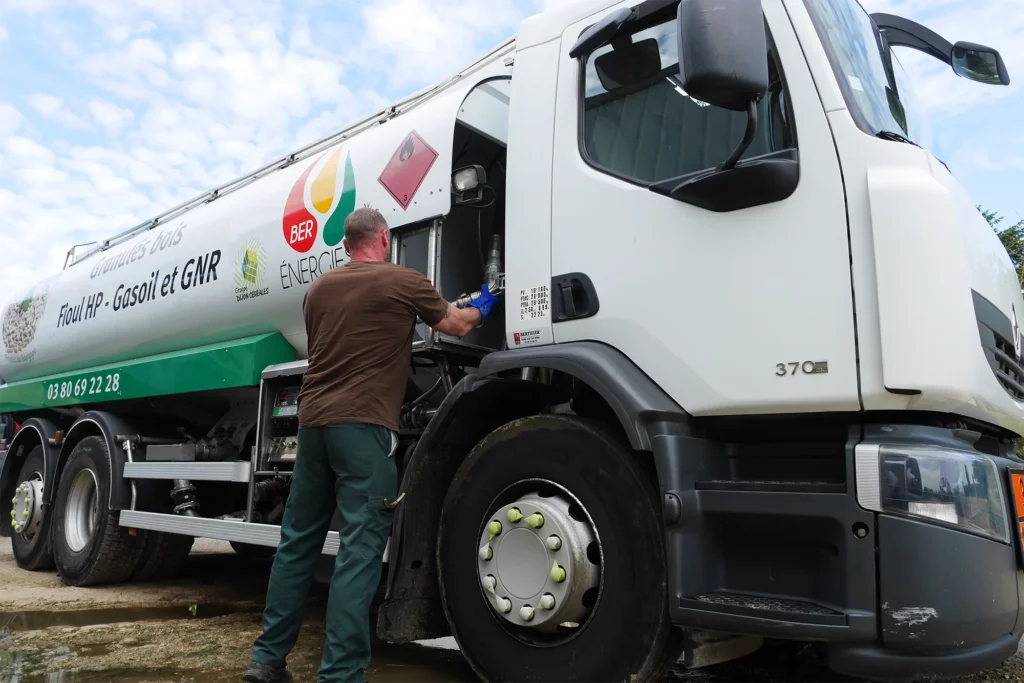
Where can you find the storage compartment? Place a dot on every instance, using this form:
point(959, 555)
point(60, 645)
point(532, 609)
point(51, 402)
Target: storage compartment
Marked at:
point(452, 251)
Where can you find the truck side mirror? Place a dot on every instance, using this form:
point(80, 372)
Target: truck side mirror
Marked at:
point(723, 61)
point(722, 52)
point(974, 62)
point(979, 63)
point(723, 58)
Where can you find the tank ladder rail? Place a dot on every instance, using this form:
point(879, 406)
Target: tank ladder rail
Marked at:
point(396, 109)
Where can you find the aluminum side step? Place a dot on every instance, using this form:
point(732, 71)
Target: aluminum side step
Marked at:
point(221, 529)
point(235, 470)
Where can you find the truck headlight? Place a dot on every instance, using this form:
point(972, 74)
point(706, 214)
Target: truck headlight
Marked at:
point(939, 485)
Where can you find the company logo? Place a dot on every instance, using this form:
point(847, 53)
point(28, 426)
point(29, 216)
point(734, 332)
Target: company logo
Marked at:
point(251, 271)
point(321, 203)
point(21, 319)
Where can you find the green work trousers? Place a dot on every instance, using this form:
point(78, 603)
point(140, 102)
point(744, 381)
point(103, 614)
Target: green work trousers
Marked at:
point(349, 466)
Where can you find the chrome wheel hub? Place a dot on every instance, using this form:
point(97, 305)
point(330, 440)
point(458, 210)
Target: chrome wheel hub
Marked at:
point(83, 510)
point(539, 565)
point(27, 508)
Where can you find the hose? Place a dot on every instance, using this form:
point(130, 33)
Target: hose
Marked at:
point(422, 397)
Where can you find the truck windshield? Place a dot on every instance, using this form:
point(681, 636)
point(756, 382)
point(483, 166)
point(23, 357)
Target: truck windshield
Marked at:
point(873, 82)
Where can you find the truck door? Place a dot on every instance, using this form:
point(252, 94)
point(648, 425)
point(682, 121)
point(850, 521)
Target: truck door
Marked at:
point(731, 312)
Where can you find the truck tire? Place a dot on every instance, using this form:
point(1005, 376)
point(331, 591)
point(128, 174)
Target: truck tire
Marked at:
point(32, 546)
point(163, 556)
point(89, 546)
point(253, 552)
point(595, 497)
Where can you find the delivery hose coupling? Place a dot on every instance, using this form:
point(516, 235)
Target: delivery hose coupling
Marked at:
point(184, 496)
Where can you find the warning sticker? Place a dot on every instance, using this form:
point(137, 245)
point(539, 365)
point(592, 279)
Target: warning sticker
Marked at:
point(527, 338)
point(408, 167)
point(533, 303)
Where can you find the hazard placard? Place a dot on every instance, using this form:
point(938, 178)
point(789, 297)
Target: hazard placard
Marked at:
point(408, 167)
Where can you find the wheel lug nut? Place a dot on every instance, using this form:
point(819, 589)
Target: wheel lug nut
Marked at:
point(526, 613)
point(494, 528)
point(536, 520)
point(547, 601)
point(489, 583)
point(514, 515)
point(25, 513)
point(505, 606)
point(486, 553)
point(557, 573)
point(553, 542)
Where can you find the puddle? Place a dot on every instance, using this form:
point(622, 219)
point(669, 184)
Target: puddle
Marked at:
point(389, 664)
point(35, 620)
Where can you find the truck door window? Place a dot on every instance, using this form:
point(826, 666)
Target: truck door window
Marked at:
point(639, 124)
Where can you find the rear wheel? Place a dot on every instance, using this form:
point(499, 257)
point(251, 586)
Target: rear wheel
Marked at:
point(254, 552)
point(89, 546)
point(163, 556)
point(551, 558)
point(30, 520)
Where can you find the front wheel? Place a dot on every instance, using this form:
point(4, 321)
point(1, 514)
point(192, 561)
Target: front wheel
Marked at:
point(88, 544)
point(551, 558)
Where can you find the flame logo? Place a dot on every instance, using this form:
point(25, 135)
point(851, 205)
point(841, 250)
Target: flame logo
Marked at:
point(328, 205)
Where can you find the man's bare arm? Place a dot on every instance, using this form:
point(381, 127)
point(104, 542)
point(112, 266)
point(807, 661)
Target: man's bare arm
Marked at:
point(458, 322)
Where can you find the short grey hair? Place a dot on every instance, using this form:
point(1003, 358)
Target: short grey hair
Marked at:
point(362, 225)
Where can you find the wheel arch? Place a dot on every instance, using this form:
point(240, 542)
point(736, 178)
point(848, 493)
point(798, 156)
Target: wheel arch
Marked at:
point(639, 404)
point(36, 431)
point(108, 427)
point(477, 405)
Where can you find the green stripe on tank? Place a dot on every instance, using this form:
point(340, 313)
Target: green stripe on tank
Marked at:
point(237, 363)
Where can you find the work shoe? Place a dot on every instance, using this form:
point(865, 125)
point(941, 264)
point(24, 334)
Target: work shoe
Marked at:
point(257, 672)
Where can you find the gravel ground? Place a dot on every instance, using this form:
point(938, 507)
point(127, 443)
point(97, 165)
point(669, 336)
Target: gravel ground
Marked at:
point(200, 627)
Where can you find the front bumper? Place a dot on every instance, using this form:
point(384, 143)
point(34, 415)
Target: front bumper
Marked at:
point(893, 597)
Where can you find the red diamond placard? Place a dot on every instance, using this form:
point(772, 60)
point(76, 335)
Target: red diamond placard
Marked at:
point(408, 167)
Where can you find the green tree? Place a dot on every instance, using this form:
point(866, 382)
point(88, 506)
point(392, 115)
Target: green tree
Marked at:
point(1011, 237)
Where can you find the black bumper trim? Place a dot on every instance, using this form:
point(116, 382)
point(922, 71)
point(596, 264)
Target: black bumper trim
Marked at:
point(875, 663)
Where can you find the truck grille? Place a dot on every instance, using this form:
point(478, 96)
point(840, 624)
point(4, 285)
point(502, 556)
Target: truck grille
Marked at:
point(996, 332)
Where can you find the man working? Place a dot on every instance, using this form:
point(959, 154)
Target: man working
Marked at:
point(360, 320)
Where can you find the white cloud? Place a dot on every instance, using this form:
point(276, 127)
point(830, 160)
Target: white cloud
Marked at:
point(10, 119)
point(25, 150)
point(426, 40)
point(55, 109)
point(112, 117)
point(3, 34)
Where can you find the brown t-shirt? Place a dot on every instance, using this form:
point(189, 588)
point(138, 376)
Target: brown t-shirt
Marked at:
point(360, 320)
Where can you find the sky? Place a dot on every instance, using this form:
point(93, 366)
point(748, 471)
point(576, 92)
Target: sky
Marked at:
point(113, 110)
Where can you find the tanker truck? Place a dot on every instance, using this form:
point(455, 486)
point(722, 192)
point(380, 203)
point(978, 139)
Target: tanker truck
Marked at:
point(756, 371)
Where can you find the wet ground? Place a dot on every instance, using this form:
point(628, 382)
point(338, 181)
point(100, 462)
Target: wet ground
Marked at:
point(200, 628)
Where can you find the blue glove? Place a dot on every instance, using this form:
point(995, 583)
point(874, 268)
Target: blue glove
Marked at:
point(485, 302)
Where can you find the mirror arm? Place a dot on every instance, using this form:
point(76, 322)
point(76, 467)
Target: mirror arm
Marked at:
point(748, 137)
point(900, 31)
